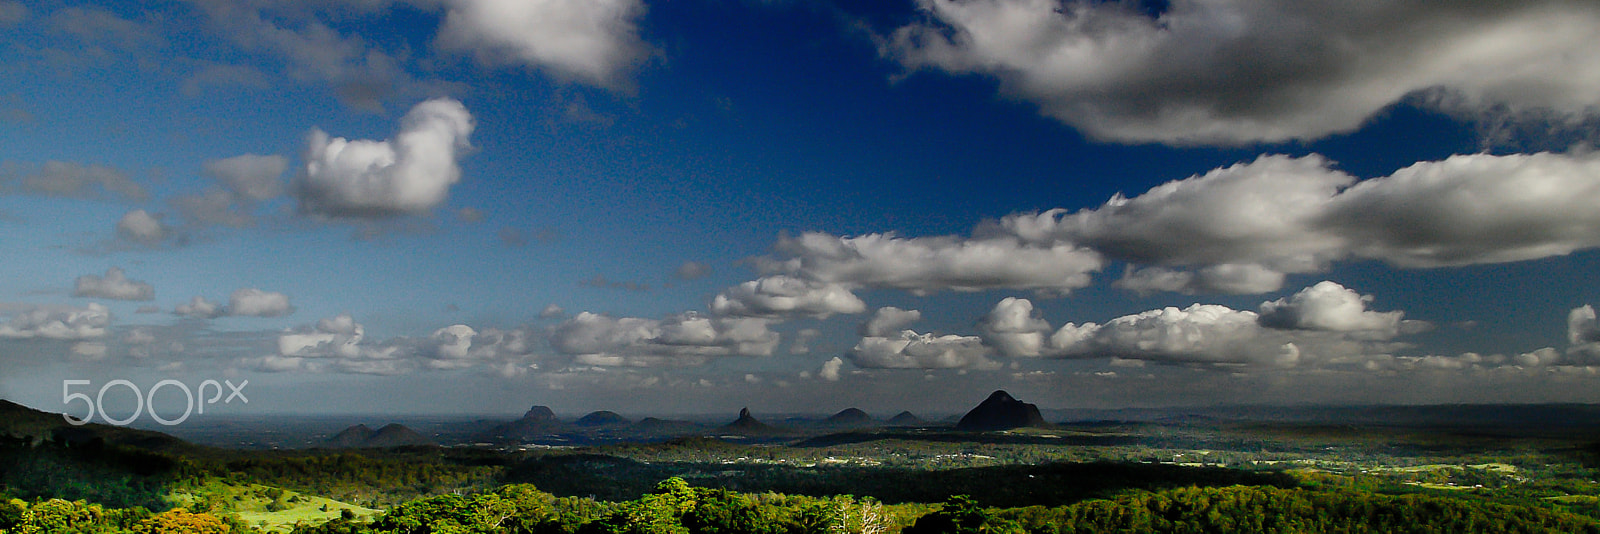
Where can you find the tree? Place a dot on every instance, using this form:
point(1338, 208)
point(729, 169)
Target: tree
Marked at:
point(180, 521)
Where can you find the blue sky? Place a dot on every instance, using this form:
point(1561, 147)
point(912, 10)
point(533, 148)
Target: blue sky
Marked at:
point(472, 206)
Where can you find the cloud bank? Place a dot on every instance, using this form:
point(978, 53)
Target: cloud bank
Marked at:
point(1231, 73)
point(1245, 225)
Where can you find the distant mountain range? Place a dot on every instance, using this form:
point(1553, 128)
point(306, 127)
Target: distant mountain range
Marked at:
point(391, 435)
point(540, 425)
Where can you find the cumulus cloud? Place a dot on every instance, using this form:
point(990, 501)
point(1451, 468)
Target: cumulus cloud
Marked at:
point(140, 226)
point(782, 296)
point(1321, 325)
point(339, 345)
point(460, 346)
point(200, 308)
point(411, 173)
point(1012, 328)
point(910, 350)
point(63, 323)
point(830, 369)
point(679, 340)
point(250, 176)
point(338, 336)
point(114, 285)
point(931, 264)
point(257, 303)
point(1583, 335)
point(1582, 326)
point(1202, 333)
point(591, 41)
point(1245, 225)
point(244, 302)
point(1230, 73)
point(1330, 307)
point(885, 343)
point(1473, 209)
point(888, 321)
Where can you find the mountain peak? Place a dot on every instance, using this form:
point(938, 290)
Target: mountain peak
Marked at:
point(539, 413)
point(602, 418)
point(1000, 395)
point(747, 422)
point(1001, 411)
point(850, 416)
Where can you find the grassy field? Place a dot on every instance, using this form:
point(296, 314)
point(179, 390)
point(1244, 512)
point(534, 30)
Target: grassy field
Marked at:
point(265, 507)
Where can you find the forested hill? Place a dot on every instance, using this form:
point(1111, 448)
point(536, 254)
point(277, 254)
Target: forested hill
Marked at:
point(34, 426)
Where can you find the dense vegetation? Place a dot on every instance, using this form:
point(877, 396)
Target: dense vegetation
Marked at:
point(675, 507)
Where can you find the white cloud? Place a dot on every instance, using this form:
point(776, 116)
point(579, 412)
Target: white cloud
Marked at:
point(1246, 225)
point(250, 176)
point(931, 264)
point(244, 302)
point(67, 323)
point(593, 41)
point(199, 308)
point(783, 296)
point(257, 303)
point(679, 340)
point(1539, 358)
point(552, 311)
point(1473, 209)
point(114, 285)
point(334, 337)
point(1221, 72)
point(411, 173)
point(1329, 306)
point(1012, 328)
point(1583, 335)
point(461, 346)
point(1250, 213)
point(141, 227)
point(888, 321)
point(1323, 325)
point(1202, 333)
point(911, 350)
point(830, 369)
point(1582, 326)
